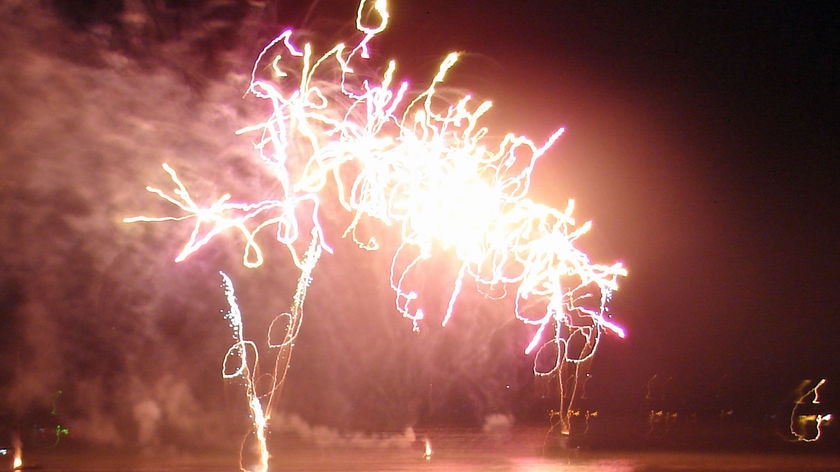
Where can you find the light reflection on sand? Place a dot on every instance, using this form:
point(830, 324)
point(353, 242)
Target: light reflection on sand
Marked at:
point(372, 460)
point(515, 451)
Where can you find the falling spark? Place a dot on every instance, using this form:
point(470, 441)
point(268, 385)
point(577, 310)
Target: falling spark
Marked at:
point(427, 452)
point(416, 162)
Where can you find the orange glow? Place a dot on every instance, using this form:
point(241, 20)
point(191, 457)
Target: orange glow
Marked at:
point(18, 447)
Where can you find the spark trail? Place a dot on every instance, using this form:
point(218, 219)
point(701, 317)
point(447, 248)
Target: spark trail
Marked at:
point(284, 327)
point(804, 427)
point(423, 165)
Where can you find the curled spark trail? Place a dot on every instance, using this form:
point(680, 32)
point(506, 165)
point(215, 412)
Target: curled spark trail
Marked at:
point(808, 427)
point(236, 364)
point(421, 164)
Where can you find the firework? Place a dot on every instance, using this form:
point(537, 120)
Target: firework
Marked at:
point(420, 164)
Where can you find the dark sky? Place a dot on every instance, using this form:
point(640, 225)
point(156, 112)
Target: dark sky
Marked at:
point(701, 139)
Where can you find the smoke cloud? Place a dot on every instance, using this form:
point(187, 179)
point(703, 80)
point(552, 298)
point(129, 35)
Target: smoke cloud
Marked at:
point(104, 335)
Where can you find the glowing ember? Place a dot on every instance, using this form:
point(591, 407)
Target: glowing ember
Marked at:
point(18, 447)
point(414, 161)
point(427, 452)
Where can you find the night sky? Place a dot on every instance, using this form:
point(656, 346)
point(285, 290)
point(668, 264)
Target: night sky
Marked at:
point(701, 140)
